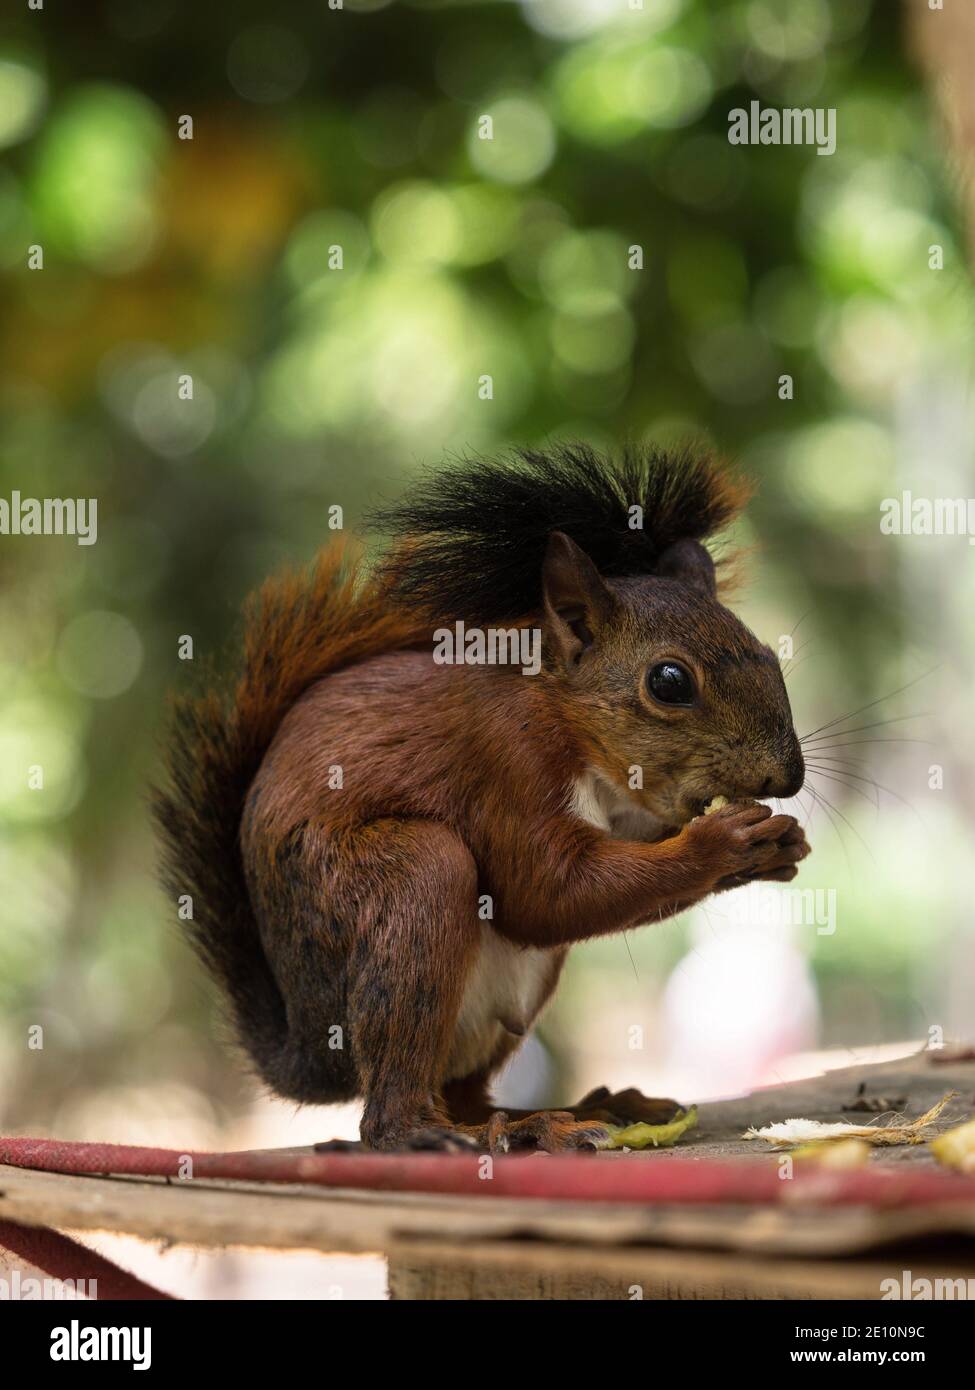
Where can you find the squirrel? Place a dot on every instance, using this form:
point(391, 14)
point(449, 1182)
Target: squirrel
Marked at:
point(390, 856)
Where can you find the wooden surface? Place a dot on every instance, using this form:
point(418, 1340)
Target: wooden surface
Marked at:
point(540, 1249)
point(921, 1079)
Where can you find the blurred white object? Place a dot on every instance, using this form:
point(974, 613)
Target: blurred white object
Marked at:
point(741, 999)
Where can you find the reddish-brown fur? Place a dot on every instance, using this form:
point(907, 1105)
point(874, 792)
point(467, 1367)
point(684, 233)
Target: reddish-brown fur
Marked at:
point(454, 787)
point(392, 905)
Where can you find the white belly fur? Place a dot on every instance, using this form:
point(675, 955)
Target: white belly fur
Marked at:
point(505, 985)
point(501, 997)
point(607, 807)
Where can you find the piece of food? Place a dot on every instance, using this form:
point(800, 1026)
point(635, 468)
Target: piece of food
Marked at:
point(843, 1155)
point(641, 1136)
point(715, 804)
point(793, 1132)
point(956, 1148)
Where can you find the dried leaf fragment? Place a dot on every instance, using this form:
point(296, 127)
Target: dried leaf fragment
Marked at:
point(641, 1136)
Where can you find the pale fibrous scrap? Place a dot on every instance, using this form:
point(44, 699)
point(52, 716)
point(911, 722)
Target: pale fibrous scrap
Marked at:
point(898, 1131)
point(715, 804)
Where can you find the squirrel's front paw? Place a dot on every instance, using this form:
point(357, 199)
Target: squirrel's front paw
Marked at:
point(745, 841)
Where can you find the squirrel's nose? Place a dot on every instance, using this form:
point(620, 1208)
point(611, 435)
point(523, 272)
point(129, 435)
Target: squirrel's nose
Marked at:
point(788, 780)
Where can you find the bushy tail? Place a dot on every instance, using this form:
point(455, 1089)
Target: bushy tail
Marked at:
point(474, 534)
point(297, 628)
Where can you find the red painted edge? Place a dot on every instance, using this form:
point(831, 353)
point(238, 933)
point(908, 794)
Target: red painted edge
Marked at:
point(575, 1177)
point(63, 1258)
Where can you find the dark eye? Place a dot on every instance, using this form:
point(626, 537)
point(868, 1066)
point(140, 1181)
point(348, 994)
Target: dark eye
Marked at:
point(670, 683)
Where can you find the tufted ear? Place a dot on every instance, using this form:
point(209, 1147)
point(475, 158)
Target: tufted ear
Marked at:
point(691, 562)
point(577, 600)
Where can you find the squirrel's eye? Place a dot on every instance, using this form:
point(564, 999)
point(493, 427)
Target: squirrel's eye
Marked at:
point(670, 683)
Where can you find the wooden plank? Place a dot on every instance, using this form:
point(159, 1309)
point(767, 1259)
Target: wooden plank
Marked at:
point(295, 1217)
point(438, 1251)
point(452, 1246)
point(549, 1272)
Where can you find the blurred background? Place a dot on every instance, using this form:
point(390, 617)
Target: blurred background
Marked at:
point(323, 380)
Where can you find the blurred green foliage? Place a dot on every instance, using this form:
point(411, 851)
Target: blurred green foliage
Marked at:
point(316, 129)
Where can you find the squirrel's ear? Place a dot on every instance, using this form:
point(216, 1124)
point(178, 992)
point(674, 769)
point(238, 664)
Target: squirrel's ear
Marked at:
point(691, 562)
point(576, 598)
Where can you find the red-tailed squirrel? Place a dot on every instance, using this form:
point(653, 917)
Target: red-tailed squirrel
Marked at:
point(389, 855)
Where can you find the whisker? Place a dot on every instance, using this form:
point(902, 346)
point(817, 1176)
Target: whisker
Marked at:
point(864, 742)
point(807, 811)
point(853, 713)
point(870, 781)
point(630, 954)
point(823, 797)
point(787, 665)
point(818, 800)
point(859, 729)
point(801, 621)
point(838, 777)
point(786, 675)
point(847, 762)
point(791, 663)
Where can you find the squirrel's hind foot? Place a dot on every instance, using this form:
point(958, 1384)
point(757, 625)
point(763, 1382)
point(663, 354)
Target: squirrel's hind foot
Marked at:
point(443, 1139)
point(553, 1131)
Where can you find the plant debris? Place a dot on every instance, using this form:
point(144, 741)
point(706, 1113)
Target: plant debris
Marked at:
point(793, 1132)
point(956, 1148)
point(715, 804)
point(642, 1136)
point(873, 1105)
